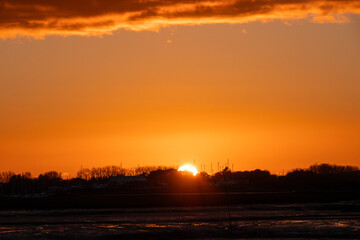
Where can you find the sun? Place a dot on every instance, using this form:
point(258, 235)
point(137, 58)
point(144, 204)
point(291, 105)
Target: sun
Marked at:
point(188, 168)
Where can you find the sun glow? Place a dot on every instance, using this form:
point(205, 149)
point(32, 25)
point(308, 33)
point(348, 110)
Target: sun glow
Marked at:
point(188, 168)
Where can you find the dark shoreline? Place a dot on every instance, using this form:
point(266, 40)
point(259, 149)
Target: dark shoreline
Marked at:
point(117, 200)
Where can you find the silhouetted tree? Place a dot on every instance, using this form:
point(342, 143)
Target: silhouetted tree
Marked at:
point(6, 176)
point(52, 175)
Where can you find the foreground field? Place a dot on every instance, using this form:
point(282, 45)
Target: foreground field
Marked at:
point(310, 220)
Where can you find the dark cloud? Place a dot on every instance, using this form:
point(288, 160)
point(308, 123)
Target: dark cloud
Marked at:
point(39, 18)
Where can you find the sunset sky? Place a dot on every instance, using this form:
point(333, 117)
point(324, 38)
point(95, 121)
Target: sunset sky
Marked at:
point(268, 84)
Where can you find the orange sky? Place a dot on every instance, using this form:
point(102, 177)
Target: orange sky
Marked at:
point(267, 84)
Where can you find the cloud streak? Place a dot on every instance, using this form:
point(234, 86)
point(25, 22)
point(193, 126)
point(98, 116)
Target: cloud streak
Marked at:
point(39, 18)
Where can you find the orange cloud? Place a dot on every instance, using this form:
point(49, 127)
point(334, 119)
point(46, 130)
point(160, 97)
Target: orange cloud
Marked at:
point(38, 18)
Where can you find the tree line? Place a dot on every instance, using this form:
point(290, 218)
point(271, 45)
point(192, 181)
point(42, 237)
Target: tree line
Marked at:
point(87, 173)
point(168, 179)
point(112, 171)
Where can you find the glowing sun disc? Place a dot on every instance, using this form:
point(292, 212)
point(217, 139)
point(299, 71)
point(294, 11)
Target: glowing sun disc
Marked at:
point(188, 168)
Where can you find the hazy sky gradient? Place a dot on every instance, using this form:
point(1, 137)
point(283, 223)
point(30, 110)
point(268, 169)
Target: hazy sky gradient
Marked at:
point(269, 95)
